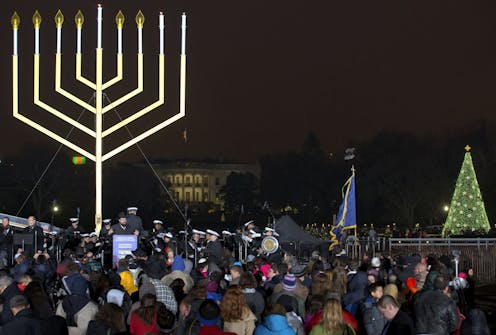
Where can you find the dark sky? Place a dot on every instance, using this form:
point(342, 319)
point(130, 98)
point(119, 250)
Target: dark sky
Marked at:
point(262, 74)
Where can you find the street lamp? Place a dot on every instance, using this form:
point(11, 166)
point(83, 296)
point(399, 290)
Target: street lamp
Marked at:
point(55, 209)
point(446, 208)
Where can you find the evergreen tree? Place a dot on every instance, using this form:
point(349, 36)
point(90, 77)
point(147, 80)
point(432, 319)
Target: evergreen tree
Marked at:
point(467, 212)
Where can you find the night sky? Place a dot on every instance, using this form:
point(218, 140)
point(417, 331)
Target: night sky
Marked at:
point(262, 74)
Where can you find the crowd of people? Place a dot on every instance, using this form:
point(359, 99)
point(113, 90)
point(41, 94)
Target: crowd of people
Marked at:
point(204, 288)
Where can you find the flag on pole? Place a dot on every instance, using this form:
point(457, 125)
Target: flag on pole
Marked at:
point(347, 211)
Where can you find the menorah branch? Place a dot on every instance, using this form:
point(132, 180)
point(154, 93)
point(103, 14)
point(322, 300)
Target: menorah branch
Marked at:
point(146, 110)
point(79, 77)
point(132, 93)
point(181, 114)
point(60, 90)
point(117, 78)
point(48, 108)
point(31, 123)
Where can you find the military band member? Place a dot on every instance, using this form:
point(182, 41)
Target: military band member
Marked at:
point(134, 221)
point(270, 232)
point(228, 240)
point(165, 241)
point(71, 235)
point(158, 227)
point(107, 226)
point(195, 245)
point(214, 248)
point(250, 225)
point(74, 228)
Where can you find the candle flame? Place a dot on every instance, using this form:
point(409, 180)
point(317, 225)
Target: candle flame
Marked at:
point(119, 19)
point(36, 19)
point(15, 21)
point(59, 19)
point(140, 19)
point(79, 19)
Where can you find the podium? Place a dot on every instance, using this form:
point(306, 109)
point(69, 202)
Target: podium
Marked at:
point(123, 245)
point(23, 239)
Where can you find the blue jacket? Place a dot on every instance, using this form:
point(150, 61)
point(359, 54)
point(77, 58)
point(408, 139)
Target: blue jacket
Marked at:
point(274, 324)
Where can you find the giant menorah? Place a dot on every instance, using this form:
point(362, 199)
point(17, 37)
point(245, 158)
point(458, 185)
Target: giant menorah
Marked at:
point(98, 133)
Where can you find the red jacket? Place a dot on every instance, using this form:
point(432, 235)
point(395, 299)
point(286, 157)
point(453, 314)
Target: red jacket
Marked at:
point(138, 327)
point(213, 330)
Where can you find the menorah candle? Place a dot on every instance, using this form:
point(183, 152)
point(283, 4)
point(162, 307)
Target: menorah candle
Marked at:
point(79, 28)
point(15, 41)
point(36, 23)
point(99, 22)
point(15, 21)
point(119, 20)
point(59, 19)
point(161, 28)
point(140, 20)
point(183, 35)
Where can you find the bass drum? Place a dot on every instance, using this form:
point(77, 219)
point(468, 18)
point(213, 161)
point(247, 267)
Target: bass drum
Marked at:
point(270, 244)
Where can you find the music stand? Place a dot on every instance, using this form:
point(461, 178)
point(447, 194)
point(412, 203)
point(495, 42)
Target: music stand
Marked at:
point(22, 240)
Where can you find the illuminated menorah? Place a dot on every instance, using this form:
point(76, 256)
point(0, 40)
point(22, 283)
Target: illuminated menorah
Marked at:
point(98, 87)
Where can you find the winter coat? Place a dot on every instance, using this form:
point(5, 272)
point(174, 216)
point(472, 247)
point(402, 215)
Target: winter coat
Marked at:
point(401, 324)
point(274, 324)
point(176, 274)
point(300, 290)
point(127, 282)
point(357, 289)
point(99, 327)
point(255, 301)
point(298, 305)
point(245, 326)
point(213, 330)
point(23, 323)
point(7, 294)
point(373, 320)
point(435, 313)
point(82, 317)
point(319, 330)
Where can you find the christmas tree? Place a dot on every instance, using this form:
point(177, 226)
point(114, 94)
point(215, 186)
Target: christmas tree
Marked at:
point(467, 212)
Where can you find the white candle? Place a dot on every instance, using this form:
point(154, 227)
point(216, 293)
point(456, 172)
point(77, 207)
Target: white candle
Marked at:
point(15, 21)
point(59, 39)
point(140, 40)
point(15, 41)
point(36, 40)
point(183, 35)
point(119, 40)
point(79, 29)
point(99, 21)
point(161, 28)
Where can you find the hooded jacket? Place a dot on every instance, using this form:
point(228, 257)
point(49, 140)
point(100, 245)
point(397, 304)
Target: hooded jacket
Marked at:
point(274, 324)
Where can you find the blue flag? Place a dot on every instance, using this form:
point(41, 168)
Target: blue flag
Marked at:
point(347, 211)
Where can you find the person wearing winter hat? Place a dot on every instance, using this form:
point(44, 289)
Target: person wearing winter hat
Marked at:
point(76, 307)
point(178, 272)
point(287, 296)
point(209, 318)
